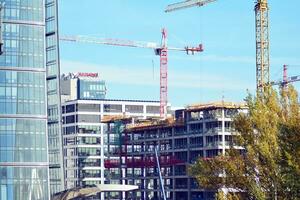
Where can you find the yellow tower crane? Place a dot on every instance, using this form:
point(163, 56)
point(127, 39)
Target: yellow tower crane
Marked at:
point(262, 37)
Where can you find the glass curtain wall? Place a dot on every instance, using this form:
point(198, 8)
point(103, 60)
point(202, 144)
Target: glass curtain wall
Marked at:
point(23, 119)
point(54, 109)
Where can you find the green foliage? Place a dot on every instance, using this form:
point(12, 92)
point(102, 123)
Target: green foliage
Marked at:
point(264, 163)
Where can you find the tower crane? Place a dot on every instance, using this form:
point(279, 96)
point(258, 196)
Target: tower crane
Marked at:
point(159, 49)
point(262, 37)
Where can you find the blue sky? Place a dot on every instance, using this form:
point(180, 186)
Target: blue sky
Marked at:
point(226, 28)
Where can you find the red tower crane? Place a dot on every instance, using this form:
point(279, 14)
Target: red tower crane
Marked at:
point(159, 49)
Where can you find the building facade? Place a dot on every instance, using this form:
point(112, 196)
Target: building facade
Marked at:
point(23, 114)
point(200, 131)
point(85, 144)
point(56, 175)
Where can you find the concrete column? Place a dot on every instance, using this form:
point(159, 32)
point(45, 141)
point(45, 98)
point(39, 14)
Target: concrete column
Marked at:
point(204, 139)
point(144, 111)
point(223, 131)
point(123, 108)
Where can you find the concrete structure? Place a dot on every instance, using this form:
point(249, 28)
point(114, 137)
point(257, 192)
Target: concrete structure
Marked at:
point(83, 135)
point(198, 131)
point(82, 86)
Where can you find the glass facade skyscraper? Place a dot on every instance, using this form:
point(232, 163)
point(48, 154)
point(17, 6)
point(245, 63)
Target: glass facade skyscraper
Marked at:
point(23, 114)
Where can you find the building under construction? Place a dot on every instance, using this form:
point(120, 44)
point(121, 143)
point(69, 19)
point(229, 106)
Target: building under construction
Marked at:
point(198, 131)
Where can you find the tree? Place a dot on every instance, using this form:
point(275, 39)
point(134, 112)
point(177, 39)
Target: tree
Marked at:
point(290, 145)
point(264, 162)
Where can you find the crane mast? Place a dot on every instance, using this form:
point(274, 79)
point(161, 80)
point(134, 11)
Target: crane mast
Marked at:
point(262, 45)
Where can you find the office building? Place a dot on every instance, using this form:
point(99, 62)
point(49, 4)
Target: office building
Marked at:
point(23, 104)
point(199, 131)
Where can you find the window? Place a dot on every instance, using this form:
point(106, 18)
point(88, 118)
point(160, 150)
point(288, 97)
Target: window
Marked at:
point(92, 89)
point(195, 116)
point(70, 130)
point(212, 114)
point(214, 126)
point(180, 170)
point(70, 119)
point(22, 93)
point(134, 109)
point(70, 108)
point(196, 127)
point(180, 143)
point(88, 140)
point(196, 142)
point(89, 118)
point(63, 109)
point(88, 107)
point(153, 109)
point(214, 140)
point(88, 151)
point(113, 108)
point(228, 126)
point(230, 113)
point(23, 140)
point(88, 129)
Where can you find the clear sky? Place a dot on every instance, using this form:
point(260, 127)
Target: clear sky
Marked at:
point(226, 28)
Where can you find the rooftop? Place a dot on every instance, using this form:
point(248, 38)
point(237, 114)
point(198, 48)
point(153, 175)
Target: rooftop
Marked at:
point(214, 105)
point(153, 124)
point(170, 122)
